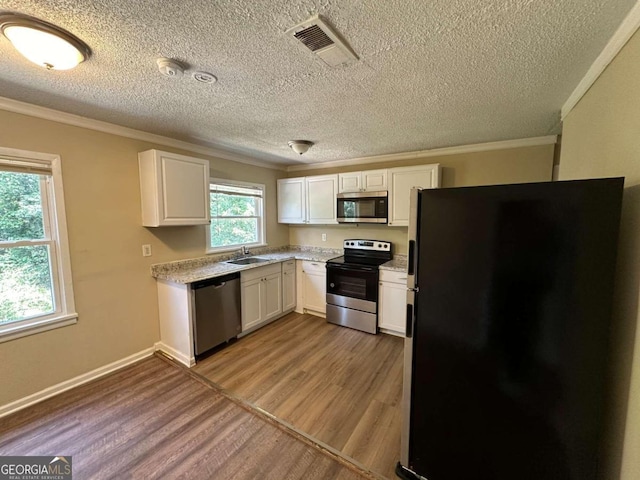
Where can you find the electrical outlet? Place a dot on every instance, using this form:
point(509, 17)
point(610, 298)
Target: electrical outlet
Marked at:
point(324, 237)
point(146, 250)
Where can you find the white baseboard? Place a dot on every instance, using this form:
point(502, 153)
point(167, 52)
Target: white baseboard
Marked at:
point(49, 392)
point(314, 313)
point(175, 354)
point(391, 332)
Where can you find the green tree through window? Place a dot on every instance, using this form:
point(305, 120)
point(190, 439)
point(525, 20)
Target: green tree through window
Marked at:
point(25, 271)
point(236, 215)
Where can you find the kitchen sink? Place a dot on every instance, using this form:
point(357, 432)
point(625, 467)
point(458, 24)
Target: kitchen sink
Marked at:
point(247, 260)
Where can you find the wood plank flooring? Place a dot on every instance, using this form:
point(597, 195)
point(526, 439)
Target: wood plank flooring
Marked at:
point(156, 420)
point(340, 386)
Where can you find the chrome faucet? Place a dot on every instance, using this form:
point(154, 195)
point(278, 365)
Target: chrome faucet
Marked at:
point(244, 250)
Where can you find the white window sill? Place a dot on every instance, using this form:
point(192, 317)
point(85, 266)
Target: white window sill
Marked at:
point(11, 331)
point(235, 248)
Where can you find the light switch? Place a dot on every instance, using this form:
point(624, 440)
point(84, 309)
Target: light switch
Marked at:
point(146, 250)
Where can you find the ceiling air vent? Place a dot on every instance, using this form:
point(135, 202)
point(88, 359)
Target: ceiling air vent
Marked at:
point(314, 34)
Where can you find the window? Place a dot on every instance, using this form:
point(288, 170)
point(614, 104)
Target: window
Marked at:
point(237, 215)
point(35, 277)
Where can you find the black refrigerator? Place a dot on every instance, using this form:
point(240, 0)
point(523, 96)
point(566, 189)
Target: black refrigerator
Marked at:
point(508, 316)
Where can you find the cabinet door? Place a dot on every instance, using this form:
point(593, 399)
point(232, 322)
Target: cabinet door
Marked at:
point(374, 180)
point(174, 189)
point(315, 288)
point(272, 296)
point(402, 180)
point(321, 199)
point(292, 200)
point(252, 294)
point(392, 306)
point(349, 182)
point(288, 290)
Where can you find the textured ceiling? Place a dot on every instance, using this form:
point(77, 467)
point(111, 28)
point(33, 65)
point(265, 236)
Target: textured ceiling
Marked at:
point(431, 74)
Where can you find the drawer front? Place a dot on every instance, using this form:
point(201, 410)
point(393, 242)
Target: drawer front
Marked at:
point(288, 265)
point(259, 272)
point(393, 277)
point(319, 267)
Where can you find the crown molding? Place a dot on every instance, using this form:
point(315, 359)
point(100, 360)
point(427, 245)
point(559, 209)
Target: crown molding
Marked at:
point(625, 31)
point(435, 152)
point(44, 113)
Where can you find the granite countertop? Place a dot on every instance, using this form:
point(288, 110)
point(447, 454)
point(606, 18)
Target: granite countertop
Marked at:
point(202, 268)
point(398, 264)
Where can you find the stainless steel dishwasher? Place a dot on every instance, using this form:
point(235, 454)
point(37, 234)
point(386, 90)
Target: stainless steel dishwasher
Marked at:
point(217, 311)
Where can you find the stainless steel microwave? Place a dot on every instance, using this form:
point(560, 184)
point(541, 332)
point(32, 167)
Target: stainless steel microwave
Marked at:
point(362, 207)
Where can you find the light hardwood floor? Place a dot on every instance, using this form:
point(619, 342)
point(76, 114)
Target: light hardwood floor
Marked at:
point(340, 386)
point(156, 420)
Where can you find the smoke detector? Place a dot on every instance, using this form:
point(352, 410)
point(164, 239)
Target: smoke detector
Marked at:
point(170, 67)
point(300, 146)
point(317, 36)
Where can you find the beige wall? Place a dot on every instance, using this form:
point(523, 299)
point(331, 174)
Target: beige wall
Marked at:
point(114, 293)
point(601, 138)
point(516, 165)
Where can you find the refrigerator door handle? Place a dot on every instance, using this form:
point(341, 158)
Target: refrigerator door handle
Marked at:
point(410, 258)
point(409, 326)
point(412, 289)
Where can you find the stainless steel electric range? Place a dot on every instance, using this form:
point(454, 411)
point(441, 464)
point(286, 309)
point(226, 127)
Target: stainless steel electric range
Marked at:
point(352, 284)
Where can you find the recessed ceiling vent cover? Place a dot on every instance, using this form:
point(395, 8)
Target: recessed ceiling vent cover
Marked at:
point(314, 34)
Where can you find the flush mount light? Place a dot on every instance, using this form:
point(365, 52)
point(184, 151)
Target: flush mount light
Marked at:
point(300, 146)
point(43, 43)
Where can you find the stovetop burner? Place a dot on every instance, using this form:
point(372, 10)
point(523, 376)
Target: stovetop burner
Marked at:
point(364, 252)
point(355, 260)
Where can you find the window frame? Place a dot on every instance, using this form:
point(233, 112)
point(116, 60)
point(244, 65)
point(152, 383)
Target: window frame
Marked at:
point(262, 231)
point(55, 226)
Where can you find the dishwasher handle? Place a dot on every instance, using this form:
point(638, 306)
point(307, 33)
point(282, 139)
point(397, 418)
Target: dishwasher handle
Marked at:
point(216, 282)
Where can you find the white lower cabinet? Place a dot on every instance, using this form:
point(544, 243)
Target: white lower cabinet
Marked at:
point(288, 286)
point(314, 286)
point(392, 302)
point(261, 295)
point(252, 293)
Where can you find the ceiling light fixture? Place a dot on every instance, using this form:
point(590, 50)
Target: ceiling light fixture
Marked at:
point(43, 43)
point(300, 146)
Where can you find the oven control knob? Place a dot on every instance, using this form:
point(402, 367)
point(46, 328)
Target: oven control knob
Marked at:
point(332, 285)
point(379, 245)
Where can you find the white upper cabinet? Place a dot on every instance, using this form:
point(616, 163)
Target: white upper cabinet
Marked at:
point(321, 199)
point(374, 180)
point(401, 181)
point(292, 200)
point(350, 182)
point(308, 200)
point(367, 181)
point(174, 189)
